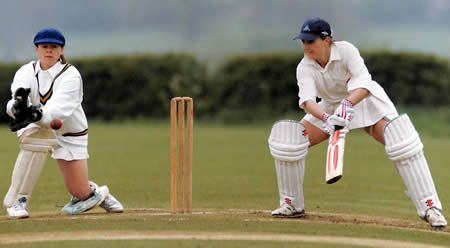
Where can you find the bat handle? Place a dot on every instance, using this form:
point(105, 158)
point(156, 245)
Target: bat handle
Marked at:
point(336, 127)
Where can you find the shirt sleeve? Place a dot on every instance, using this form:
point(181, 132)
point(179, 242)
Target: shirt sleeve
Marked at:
point(361, 77)
point(306, 86)
point(65, 99)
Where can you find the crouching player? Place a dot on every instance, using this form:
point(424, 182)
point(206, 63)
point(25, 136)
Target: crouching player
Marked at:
point(57, 86)
point(335, 71)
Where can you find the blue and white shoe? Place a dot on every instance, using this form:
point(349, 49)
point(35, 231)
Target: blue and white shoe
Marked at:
point(76, 206)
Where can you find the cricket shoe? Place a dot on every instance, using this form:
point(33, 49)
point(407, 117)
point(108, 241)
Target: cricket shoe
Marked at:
point(435, 218)
point(288, 211)
point(76, 206)
point(18, 210)
point(110, 204)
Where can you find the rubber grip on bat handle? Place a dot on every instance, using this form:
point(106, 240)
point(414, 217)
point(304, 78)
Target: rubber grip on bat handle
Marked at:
point(336, 127)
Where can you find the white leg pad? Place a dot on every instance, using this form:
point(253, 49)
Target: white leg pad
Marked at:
point(34, 147)
point(288, 144)
point(290, 176)
point(405, 149)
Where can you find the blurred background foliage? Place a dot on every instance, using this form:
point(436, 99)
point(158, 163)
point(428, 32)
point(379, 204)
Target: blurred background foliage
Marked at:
point(236, 58)
point(242, 88)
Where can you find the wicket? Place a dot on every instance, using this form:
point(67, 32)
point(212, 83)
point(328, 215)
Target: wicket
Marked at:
point(177, 116)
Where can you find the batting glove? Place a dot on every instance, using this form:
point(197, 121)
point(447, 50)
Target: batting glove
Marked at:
point(345, 110)
point(334, 122)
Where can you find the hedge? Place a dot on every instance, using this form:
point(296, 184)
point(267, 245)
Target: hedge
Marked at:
point(411, 78)
point(129, 87)
point(256, 85)
point(243, 87)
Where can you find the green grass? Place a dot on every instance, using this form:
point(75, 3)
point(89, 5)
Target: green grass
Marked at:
point(184, 243)
point(232, 170)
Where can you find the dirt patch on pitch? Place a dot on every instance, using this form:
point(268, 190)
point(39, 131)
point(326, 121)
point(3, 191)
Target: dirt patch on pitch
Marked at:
point(254, 215)
point(265, 215)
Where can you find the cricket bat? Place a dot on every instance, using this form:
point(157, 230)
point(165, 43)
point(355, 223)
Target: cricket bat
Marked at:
point(335, 156)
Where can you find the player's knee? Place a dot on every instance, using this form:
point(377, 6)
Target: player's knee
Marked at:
point(315, 134)
point(288, 141)
point(401, 138)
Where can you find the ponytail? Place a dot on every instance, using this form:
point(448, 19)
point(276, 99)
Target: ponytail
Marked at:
point(63, 59)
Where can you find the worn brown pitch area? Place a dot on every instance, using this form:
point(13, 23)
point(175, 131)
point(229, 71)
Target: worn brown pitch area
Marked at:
point(250, 215)
point(238, 214)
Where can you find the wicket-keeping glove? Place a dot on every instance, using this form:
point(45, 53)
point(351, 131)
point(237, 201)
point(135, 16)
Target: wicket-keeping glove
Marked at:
point(23, 114)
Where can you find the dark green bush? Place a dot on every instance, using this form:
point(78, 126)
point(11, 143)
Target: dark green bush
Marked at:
point(242, 88)
point(129, 87)
point(118, 87)
point(252, 86)
point(256, 86)
point(411, 78)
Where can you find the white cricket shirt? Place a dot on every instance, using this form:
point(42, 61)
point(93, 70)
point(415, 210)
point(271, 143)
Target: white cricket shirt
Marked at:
point(60, 99)
point(344, 72)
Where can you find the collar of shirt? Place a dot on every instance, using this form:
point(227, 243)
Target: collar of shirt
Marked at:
point(334, 56)
point(54, 70)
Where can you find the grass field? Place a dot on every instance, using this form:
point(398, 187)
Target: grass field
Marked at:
point(234, 190)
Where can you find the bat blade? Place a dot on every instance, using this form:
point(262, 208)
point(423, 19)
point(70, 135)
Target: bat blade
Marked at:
point(335, 157)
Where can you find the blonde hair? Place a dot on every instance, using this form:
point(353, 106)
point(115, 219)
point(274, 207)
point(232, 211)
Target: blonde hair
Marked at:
point(62, 59)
